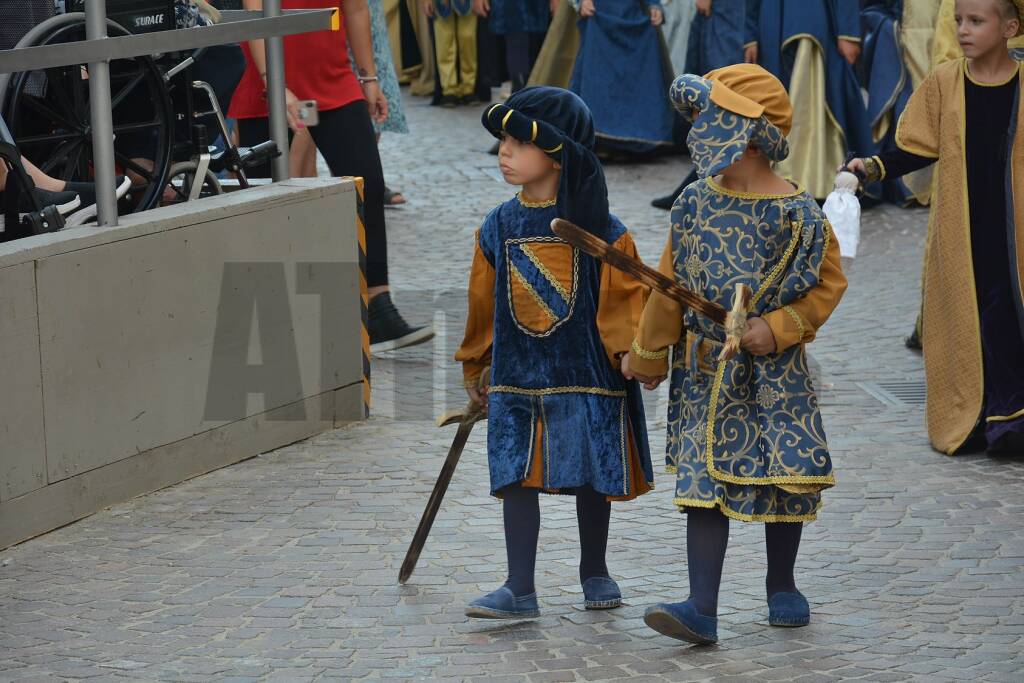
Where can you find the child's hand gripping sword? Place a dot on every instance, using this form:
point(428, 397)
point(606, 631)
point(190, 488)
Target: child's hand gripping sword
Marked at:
point(473, 413)
point(734, 321)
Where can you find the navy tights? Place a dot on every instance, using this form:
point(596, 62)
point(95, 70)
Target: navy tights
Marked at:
point(707, 535)
point(521, 509)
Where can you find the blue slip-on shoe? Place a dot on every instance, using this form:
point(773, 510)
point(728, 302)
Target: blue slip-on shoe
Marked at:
point(503, 604)
point(788, 609)
point(601, 592)
point(682, 621)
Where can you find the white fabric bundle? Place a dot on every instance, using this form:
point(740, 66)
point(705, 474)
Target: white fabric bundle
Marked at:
point(843, 211)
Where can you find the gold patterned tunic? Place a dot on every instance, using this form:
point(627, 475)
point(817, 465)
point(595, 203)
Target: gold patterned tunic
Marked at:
point(744, 435)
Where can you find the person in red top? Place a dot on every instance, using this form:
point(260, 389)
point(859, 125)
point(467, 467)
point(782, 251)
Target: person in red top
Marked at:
point(317, 68)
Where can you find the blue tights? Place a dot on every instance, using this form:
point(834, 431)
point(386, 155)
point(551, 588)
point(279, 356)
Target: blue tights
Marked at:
point(707, 535)
point(521, 509)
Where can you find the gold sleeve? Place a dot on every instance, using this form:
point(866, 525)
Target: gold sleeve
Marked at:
point(661, 326)
point(798, 323)
point(917, 131)
point(619, 304)
point(475, 351)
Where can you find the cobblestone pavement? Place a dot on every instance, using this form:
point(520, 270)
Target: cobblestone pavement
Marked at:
point(283, 568)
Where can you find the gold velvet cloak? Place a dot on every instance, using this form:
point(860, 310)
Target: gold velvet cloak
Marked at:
point(933, 125)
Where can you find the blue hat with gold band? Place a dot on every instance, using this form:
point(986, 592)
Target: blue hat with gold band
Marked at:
point(559, 123)
point(731, 109)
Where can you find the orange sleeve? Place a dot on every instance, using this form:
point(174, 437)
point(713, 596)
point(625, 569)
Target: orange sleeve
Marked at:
point(475, 351)
point(661, 326)
point(619, 305)
point(798, 323)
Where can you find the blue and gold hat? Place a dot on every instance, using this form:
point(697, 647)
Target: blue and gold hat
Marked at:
point(559, 123)
point(730, 109)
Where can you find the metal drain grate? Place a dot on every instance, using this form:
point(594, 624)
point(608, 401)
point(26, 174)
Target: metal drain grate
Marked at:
point(896, 394)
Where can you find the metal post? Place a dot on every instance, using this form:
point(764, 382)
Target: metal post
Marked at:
point(275, 94)
point(101, 117)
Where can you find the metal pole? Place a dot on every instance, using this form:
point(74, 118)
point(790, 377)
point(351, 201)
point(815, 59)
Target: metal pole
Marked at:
point(275, 94)
point(101, 117)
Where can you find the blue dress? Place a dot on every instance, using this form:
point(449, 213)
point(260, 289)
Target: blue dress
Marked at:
point(718, 40)
point(558, 412)
point(620, 73)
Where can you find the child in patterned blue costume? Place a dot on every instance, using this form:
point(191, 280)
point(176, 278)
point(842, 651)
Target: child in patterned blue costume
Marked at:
point(552, 323)
point(745, 435)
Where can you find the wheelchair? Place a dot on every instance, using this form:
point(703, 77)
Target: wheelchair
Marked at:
point(158, 109)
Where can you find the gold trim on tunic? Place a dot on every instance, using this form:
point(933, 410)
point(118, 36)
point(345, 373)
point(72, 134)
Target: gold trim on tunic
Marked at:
point(729, 512)
point(538, 204)
point(550, 391)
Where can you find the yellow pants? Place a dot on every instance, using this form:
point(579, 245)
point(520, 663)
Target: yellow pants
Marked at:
point(455, 39)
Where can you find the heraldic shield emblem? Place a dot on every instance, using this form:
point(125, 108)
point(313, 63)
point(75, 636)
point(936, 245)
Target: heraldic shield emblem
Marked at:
point(542, 280)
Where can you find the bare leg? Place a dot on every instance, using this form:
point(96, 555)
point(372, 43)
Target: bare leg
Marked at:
point(301, 149)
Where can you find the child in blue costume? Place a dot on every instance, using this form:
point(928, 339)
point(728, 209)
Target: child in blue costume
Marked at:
point(744, 435)
point(552, 323)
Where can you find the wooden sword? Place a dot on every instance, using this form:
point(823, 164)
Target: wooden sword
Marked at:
point(734, 320)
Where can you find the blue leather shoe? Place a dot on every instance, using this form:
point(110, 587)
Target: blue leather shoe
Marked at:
point(680, 620)
point(601, 592)
point(503, 604)
point(788, 609)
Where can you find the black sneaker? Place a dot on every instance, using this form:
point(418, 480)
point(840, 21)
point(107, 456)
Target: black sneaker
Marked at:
point(66, 202)
point(449, 101)
point(388, 330)
point(665, 202)
point(913, 342)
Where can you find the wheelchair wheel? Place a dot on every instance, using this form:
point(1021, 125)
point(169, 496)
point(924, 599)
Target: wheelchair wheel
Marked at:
point(181, 180)
point(48, 114)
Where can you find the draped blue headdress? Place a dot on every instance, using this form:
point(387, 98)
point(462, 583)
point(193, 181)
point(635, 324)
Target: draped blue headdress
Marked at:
point(719, 137)
point(559, 123)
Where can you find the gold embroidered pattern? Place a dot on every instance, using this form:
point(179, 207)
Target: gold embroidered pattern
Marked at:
point(729, 512)
point(767, 396)
point(753, 195)
point(797, 319)
point(529, 452)
point(780, 266)
point(709, 452)
point(648, 354)
point(546, 273)
point(694, 265)
point(550, 391)
point(622, 447)
point(547, 445)
point(530, 204)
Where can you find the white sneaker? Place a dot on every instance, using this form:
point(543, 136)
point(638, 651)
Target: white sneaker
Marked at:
point(88, 212)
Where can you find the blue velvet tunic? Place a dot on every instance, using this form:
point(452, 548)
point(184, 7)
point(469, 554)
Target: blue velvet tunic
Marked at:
point(745, 435)
point(551, 380)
